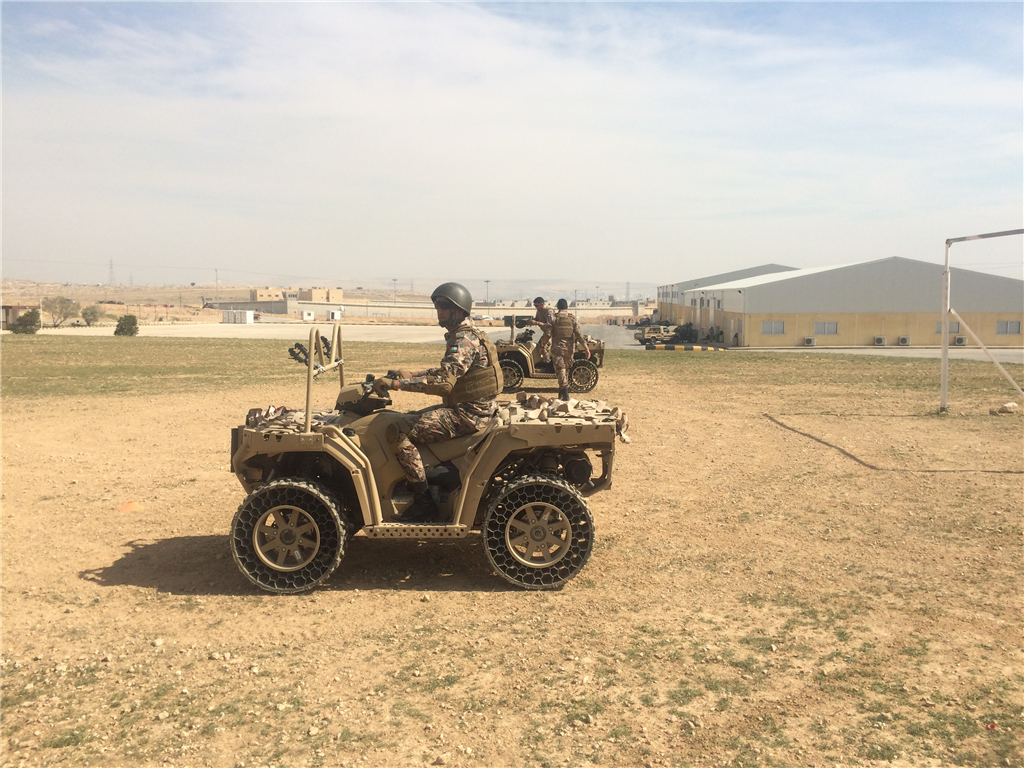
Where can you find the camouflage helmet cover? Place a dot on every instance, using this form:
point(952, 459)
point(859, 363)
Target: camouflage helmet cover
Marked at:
point(456, 293)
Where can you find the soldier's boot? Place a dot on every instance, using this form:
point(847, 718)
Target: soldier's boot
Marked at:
point(563, 393)
point(423, 508)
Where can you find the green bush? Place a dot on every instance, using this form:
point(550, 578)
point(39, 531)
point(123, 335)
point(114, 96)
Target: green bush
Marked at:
point(27, 323)
point(91, 314)
point(127, 325)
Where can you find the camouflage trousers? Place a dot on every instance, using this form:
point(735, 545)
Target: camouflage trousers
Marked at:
point(432, 427)
point(561, 359)
point(544, 345)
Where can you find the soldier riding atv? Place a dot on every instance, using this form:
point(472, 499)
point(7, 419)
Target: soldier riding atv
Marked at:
point(521, 358)
point(315, 478)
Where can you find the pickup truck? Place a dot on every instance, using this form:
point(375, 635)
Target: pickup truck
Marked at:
point(653, 334)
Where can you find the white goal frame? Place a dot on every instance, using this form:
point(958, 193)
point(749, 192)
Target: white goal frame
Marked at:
point(948, 311)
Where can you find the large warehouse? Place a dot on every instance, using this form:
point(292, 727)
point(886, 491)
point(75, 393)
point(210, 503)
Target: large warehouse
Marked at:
point(889, 302)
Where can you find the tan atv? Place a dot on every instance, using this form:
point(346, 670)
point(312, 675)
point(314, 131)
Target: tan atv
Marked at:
point(315, 478)
point(520, 358)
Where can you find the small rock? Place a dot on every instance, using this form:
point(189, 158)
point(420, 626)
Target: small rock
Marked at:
point(106, 659)
point(772, 648)
point(1009, 408)
point(589, 719)
point(158, 642)
point(313, 730)
point(441, 760)
point(163, 715)
point(426, 599)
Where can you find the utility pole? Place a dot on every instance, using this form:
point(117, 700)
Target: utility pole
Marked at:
point(487, 300)
point(394, 290)
point(216, 277)
point(110, 276)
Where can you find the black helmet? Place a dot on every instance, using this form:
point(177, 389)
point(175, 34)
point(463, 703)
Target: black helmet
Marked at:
point(455, 293)
point(562, 304)
point(539, 300)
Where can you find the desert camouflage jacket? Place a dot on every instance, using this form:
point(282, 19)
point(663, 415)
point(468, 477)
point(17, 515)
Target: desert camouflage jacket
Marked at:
point(574, 336)
point(463, 352)
point(545, 317)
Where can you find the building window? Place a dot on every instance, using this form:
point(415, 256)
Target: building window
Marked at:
point(954, 326)
point(1008, 327)
point(693, 302)
point(773, 327)
point(826, 329)
point(718, 303)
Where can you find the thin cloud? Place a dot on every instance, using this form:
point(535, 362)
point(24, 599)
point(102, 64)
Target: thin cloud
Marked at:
point(474, 137)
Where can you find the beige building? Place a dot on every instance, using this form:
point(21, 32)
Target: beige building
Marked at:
point(267, 293)
point(889, 302)
point(321, 295)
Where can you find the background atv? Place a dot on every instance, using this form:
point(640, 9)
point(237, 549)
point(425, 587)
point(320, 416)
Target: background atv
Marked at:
point(520, 359)
point(314, 479)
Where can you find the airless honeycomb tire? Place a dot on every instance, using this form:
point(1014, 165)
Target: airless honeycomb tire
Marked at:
point(288, 536)
point(512, 373)
point(582, 376)
point(538, 532)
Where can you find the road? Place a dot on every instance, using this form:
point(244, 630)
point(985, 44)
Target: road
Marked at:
point(615, 337)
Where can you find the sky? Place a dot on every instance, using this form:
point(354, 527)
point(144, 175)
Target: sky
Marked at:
point(361, 143)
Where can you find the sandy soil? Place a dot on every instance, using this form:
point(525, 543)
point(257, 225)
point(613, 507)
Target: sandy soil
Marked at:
point(755, 596)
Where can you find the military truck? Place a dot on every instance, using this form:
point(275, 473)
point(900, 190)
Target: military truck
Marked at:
point(653, 334)
point(520, 358)
point(316, 478)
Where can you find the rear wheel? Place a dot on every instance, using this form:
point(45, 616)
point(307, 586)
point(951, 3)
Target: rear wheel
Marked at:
point(582, 376)
point(538, 532)
point(288, 536)
point(512, 373)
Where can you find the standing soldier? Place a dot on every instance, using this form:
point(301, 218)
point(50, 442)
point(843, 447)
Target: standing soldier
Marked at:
point(544, 318)
point(468, 379)
point(565, 332)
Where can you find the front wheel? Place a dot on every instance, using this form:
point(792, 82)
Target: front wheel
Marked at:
point(538, 532)
point(512, 373)
point(288, 536)
point(582, 376)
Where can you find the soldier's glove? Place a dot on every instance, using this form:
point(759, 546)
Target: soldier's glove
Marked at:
point(381, 387)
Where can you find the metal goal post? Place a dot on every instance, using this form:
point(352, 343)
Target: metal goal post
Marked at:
point(947, 310)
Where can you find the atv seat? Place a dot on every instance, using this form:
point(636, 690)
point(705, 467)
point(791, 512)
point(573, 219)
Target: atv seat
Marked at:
point(446, 450)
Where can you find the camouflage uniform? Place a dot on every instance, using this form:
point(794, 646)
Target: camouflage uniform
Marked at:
point(544, 318)
point(466, 352)
point(565, 331)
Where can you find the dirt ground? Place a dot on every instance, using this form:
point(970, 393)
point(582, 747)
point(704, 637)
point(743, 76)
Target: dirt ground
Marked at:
point(799, 564)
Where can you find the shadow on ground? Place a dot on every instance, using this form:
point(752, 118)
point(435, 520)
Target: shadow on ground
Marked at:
point(202, 565)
